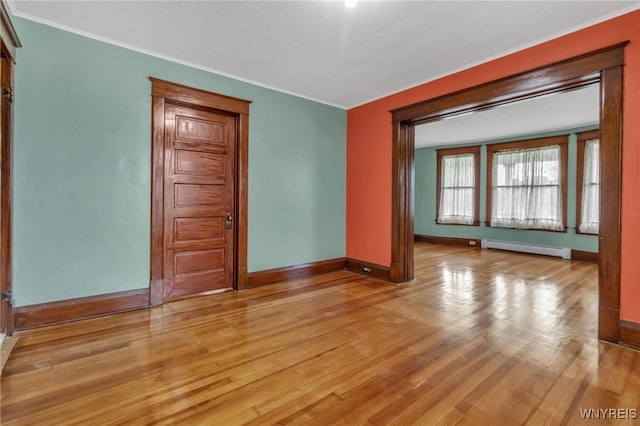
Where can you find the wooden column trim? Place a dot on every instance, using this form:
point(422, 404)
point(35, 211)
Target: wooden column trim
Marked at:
point(401, 268)
point(610, 204)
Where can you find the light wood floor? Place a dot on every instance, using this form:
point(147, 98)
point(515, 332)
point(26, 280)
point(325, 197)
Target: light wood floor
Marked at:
point(482, 337)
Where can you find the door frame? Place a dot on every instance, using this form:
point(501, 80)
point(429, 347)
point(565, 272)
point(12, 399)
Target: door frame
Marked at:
point(163, 92)
point(6, 148)
point(9, 42)
point(603, 67)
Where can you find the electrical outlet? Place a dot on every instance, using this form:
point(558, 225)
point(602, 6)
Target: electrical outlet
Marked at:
point(366, 269)
point(472, 243)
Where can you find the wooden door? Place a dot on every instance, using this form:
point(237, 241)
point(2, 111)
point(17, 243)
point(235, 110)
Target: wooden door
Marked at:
point(199, 200)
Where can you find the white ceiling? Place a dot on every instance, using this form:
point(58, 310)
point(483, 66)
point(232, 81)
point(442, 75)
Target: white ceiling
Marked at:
point(538, 115)
point(321, 50)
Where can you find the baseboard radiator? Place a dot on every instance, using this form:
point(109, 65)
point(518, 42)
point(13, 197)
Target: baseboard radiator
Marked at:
point(562, 252)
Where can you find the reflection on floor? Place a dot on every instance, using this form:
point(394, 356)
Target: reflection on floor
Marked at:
point(480, 337)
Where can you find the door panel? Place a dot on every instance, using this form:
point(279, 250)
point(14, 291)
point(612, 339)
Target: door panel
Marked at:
point(192, 128)
point(204, 196)
point(199, 163)
point(199, 200)
point(195, 262)
point(192, 229)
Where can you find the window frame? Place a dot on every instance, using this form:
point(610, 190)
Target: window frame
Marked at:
point(561, 140)
point(582, 139)
point(475, 150)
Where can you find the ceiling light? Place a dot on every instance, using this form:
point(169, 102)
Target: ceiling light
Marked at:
point(350, 3)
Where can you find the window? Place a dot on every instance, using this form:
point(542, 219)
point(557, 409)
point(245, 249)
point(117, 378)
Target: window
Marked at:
point(527, 184)
point(588, 188)
point(458, 198)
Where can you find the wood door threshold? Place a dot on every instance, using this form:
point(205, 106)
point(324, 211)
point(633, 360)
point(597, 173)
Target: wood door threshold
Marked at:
point(194, 295)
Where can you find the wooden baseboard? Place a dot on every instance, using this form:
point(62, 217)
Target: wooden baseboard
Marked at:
point(51, 313)
point(370, 269)
point(40, 315)
point(586, 256)
point(466, 242)
point(270, 276)
point(630, 334)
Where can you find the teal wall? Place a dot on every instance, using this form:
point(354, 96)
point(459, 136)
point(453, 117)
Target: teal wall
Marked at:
point(425, 202)
point(82, 151)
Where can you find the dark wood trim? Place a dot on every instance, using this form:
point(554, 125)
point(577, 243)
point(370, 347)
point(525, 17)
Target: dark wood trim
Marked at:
point(630, 334)
point(450, 241)
point(6, 149)
point(403, 154)
point(156, 284)
point(62, 311)
point(276, 275)
point(192, 96)
point(8, 43)
point(528, 143)
point(367, 268)
point(610, 203)
point(585, 256)
point(475, 150)
point(603, 66)
point(582, 138)
point(562, 140)
point(568, 74)
point(163, 91)
point(242, 201)
point(8, 33)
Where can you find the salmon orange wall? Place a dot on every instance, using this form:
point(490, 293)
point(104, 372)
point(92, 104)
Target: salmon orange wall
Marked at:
point(369, 143)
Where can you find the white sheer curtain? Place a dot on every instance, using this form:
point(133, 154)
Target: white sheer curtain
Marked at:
point(526, 189)
point(590, 209)
point(457, 189)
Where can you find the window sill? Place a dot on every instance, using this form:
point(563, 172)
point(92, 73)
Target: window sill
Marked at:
point(458, 224)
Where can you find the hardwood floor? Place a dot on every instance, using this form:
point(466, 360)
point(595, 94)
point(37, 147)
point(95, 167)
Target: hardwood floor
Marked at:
point(481, 337)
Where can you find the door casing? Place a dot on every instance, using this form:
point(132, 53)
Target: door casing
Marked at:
point(9, 42)
point(162, 92)
point(6, 83)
